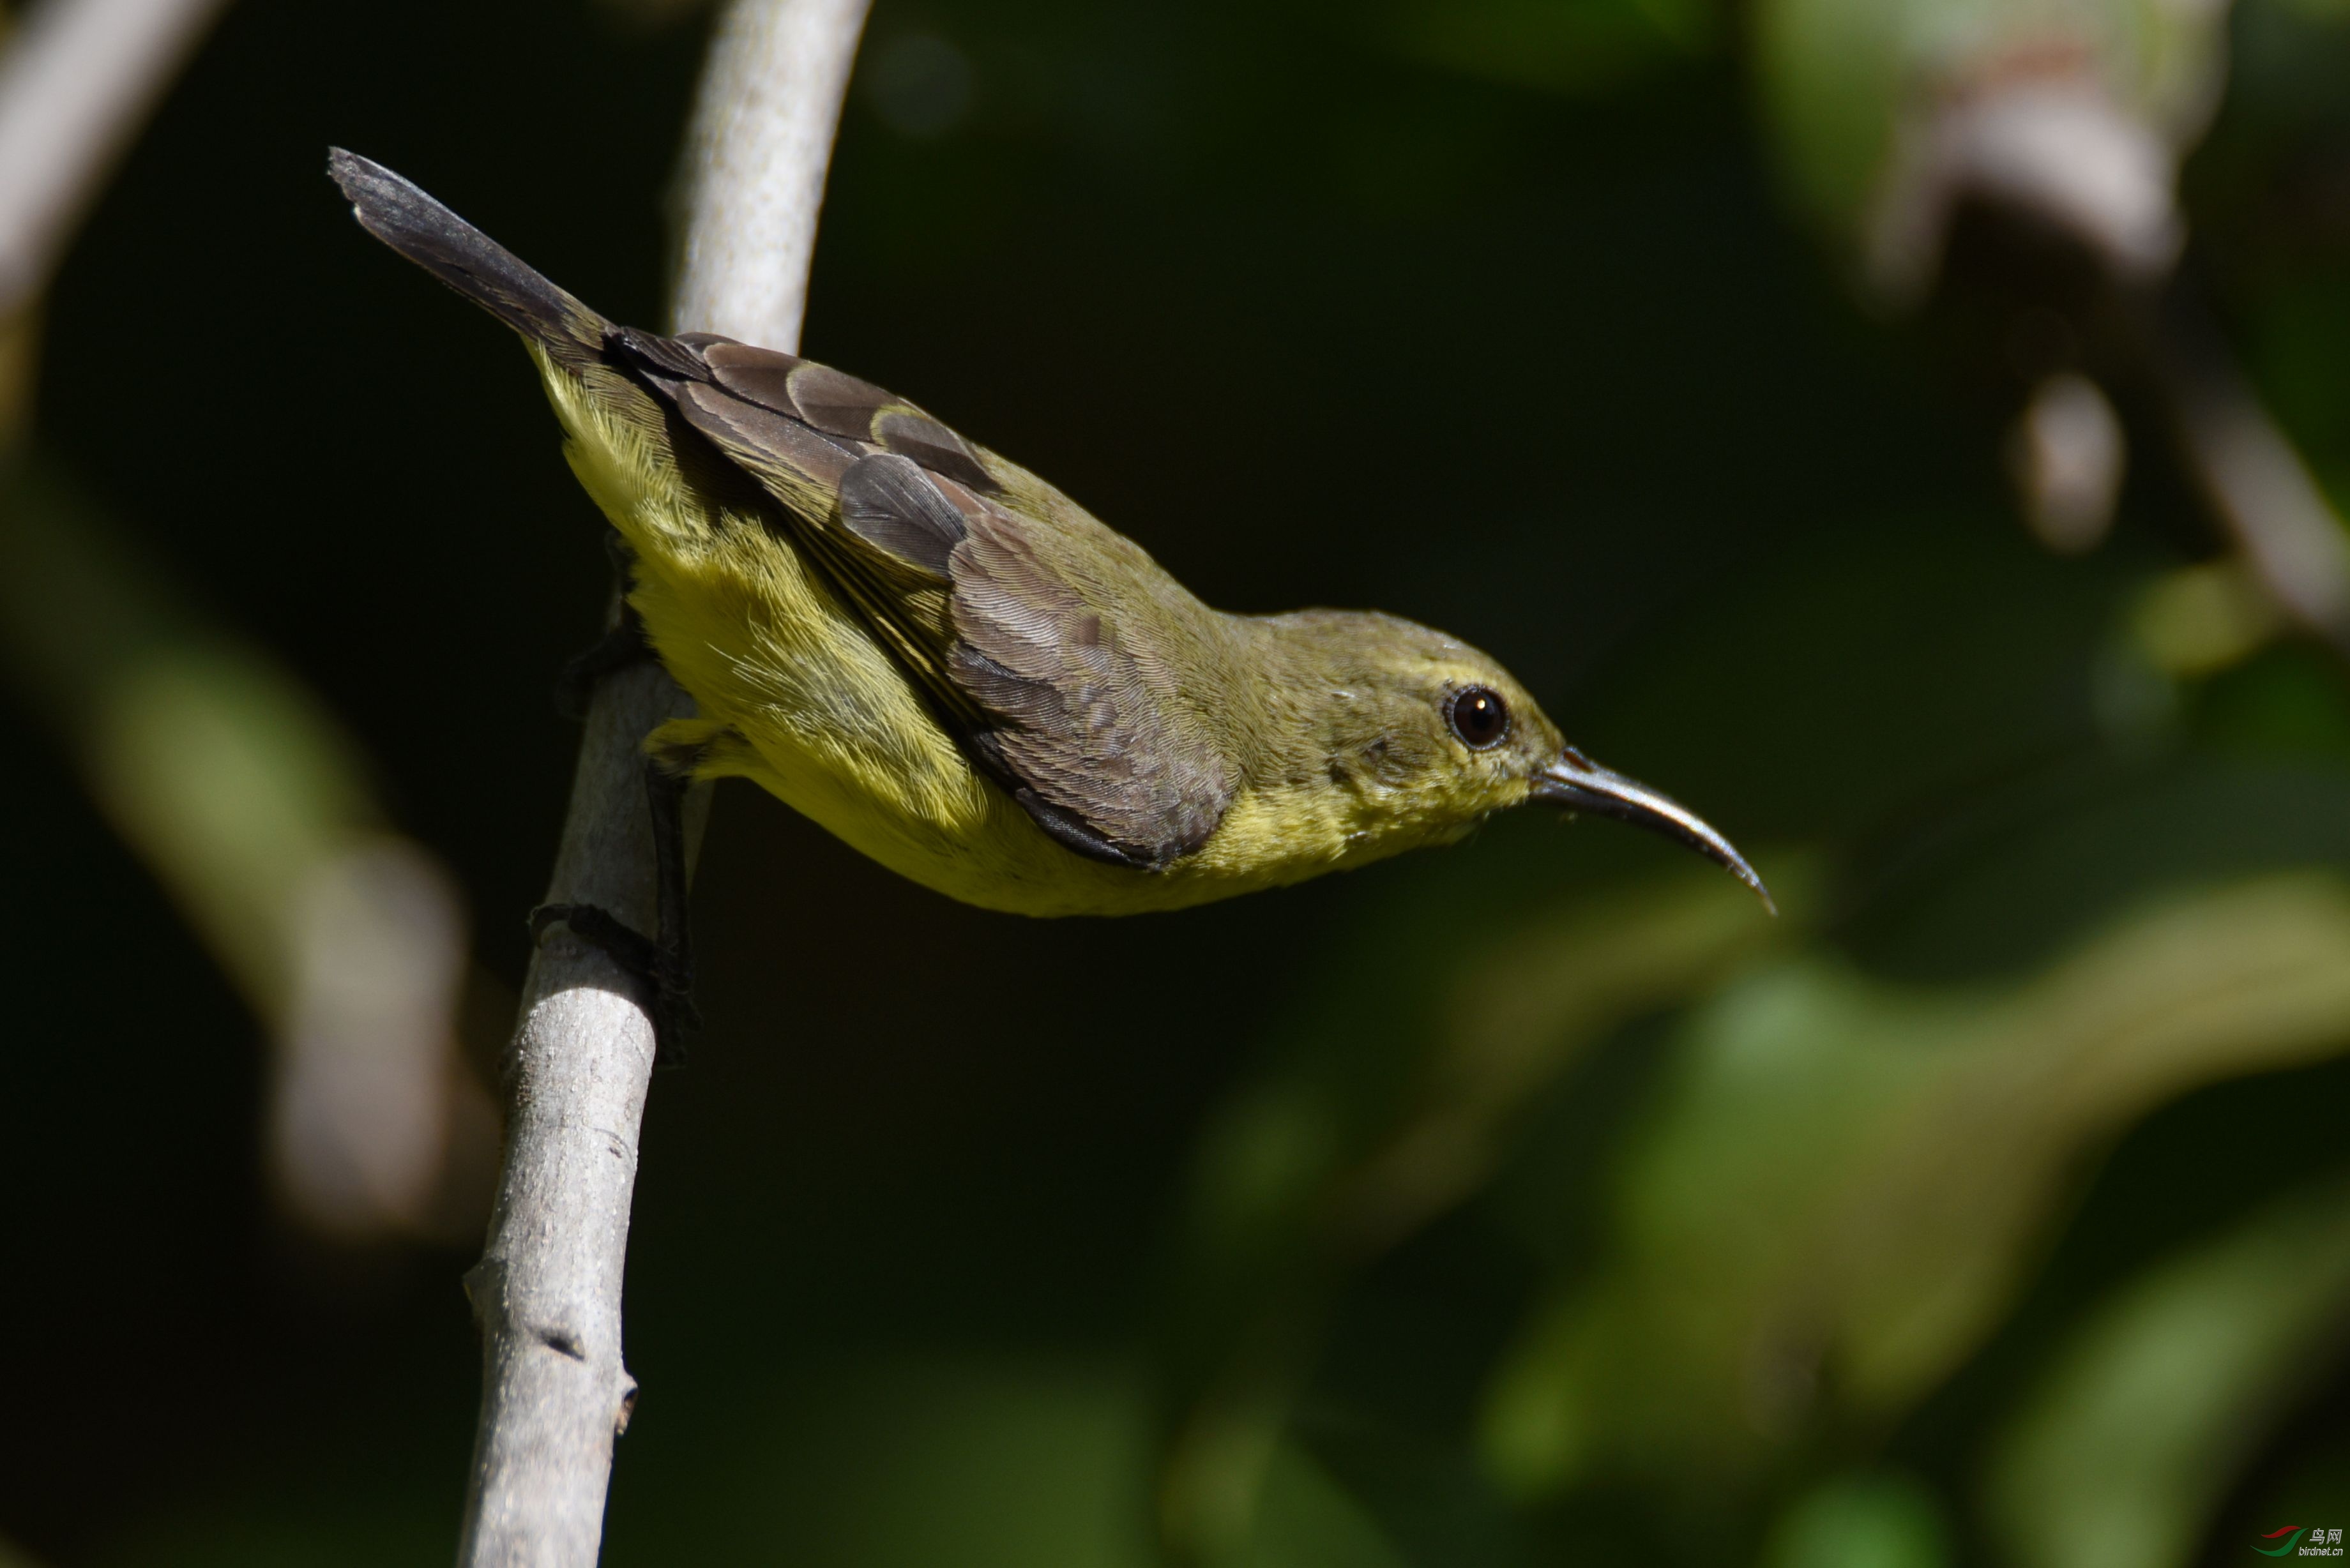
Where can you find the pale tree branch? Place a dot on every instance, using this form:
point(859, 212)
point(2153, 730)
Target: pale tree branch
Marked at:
point(755, 167)
point(75, 86)
point(2258, 486)
point(555, 1390)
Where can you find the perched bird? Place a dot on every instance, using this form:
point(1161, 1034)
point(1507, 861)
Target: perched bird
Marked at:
point(950, 665)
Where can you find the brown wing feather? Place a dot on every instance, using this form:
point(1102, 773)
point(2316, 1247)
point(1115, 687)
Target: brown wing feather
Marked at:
point(1004, 602)
point(1090, 714)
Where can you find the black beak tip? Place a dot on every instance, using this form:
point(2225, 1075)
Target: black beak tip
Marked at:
point(1579, 786)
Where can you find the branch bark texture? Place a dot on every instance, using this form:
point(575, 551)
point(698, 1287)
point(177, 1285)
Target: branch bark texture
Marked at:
point(555, 1388)
point(755, 166)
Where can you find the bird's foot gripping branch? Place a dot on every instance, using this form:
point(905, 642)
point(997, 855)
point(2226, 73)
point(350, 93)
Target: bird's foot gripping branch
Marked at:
point(662, 965)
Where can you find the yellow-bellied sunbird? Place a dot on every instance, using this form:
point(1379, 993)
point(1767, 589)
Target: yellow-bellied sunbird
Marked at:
point(951, 666)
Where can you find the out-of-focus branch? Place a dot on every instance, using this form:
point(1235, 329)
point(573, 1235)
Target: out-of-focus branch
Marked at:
point(555, 1390)
point(2057, 150)
point(251, 807)
point(214, 764)
point(75, 82)
point(2041, 142)
point(2259, 489)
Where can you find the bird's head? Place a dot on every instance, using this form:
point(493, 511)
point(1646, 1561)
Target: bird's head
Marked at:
point(1424, 737)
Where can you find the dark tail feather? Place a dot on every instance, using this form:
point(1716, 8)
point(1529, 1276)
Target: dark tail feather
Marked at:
point(461, 255)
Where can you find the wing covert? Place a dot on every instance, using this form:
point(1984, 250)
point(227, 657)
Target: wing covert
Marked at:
point(1009, 615)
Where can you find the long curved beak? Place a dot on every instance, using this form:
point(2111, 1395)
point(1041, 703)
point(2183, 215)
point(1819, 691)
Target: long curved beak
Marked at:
point(1577, 784)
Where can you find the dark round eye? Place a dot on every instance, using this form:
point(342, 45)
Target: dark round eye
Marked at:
point(1478, 716)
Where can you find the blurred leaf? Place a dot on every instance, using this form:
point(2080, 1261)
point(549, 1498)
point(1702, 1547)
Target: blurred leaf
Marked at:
point(1877, 1520)
point(2198, 619)
point(2132, 1439)
point(1395, 1104)
point(1307, 1521)
point(1849, 1180)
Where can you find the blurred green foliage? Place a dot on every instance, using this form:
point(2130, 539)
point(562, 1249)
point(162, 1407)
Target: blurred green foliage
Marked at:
point(1846, 1181)
point(1537, 1201)
point(2122, 1450)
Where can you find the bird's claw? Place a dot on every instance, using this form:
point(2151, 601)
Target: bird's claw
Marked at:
point(669, 991)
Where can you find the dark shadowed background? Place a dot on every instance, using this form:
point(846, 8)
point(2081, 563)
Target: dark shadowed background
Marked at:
point(1535, 1202)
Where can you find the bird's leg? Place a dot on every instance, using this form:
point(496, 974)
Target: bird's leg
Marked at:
point(617, 649)
point(664, 967)
point(673, 971)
